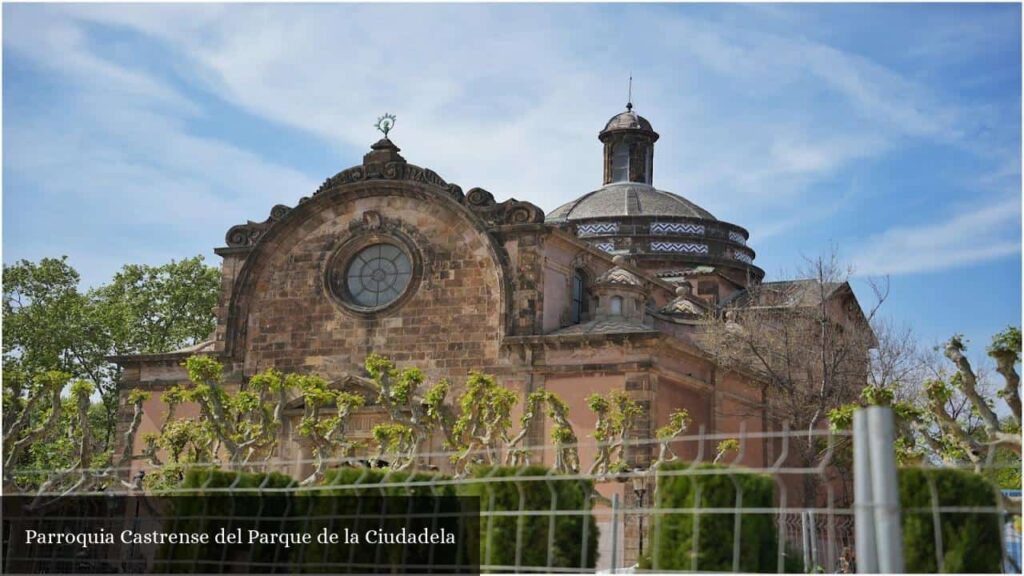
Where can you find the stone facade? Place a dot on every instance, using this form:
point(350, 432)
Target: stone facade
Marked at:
point(576, 303)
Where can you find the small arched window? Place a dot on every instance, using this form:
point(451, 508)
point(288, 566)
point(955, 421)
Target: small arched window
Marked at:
point(579, 296)
point(620, 162)
point(616, 306)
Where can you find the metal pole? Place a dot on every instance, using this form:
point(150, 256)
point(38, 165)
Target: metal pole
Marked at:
point(812, 525)
point(863, 500)
point(885, 488)
point(615, 532)
point(805, 542)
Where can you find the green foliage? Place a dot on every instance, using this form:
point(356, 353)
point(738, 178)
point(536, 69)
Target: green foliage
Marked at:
point(203, 371)
point(433, 403)
point(379, 367)
point(877, 396)
point(213, 499)
point(245, 422)
point(1006, 343)
point(970, 540)
point(150, 309)
point(726, 446)
point(939, 391)
point(501, 534)
point(346, 477)
point(616, 413)
point(355, 490)
point(673, 535)
point(1005, 471)
point(484, 411)
point(50, 324)
point(841, 417)
point(81, 388)
point(136, 395)
point(678, 422)
point(204, 478)
point(391, 436)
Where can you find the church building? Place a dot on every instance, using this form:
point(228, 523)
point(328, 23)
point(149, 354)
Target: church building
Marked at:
point(607, 292)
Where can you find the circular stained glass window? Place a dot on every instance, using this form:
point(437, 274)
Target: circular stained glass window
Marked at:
point(377, 275)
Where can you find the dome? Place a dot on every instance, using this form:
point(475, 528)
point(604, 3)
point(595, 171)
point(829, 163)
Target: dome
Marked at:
point(628, 120)
point(628, 199)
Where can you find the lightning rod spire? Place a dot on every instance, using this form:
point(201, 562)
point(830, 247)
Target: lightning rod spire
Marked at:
point(629, 99)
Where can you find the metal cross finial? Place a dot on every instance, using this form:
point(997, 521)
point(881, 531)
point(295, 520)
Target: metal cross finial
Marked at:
point(385, 123)
point(629, 100)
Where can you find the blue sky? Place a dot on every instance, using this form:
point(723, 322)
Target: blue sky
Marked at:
point(142, 133)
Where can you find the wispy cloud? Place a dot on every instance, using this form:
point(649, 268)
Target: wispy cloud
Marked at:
point(509, 99)
point(981, 235)
point(756, 123)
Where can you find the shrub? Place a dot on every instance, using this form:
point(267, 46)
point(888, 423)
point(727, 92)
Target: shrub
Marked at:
point(199, 478)
point(373, 508)
point(970, 540)
point(672, 535)
point(500, 534)
point(215, 499)
point(369, 476)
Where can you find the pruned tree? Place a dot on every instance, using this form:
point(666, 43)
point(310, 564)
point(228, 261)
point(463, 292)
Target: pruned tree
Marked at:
point(678, 423)
point(91, 468)
point(245, 423)
point(32, 409)
point(567, 457)
point(484, 420)
point(396, 445)
point(955, 418)
point(417, 416)
point(52, 325)
point(540, 404)
point(617, 414)
point(727, 446)
point(326, 433)
point(807, 342)
point(956, 441)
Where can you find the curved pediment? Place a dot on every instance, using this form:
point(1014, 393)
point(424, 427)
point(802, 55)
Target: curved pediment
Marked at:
point(385, 164)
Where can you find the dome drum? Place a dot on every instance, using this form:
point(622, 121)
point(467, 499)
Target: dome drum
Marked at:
point(667, 252)
point(660, 228)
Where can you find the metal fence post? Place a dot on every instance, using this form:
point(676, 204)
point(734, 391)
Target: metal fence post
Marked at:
point(805, 541)
point(885, 489)
point(863, 501)
point(615, 532)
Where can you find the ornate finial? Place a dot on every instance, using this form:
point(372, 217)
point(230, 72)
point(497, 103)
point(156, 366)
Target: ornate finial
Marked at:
point(629, 100)
point(385, 123)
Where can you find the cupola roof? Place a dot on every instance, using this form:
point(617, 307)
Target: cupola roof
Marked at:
point(628, 199)
point(628, 120)
point(619, 276)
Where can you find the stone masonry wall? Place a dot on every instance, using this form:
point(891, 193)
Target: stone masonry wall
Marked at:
point(452, 322)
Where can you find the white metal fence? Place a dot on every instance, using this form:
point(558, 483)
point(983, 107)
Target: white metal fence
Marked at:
point(632, 517)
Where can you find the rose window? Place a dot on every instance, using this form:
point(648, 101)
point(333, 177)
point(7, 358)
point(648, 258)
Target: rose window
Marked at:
point(377, 275)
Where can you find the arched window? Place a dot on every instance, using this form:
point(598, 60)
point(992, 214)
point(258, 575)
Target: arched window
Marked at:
point(616, 305)
point(579, 296)
point(620, 162)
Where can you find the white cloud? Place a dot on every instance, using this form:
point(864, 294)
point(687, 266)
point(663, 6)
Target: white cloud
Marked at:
point(503, 98)
point(113, 173)
point(507, 98)
point(978, 236)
